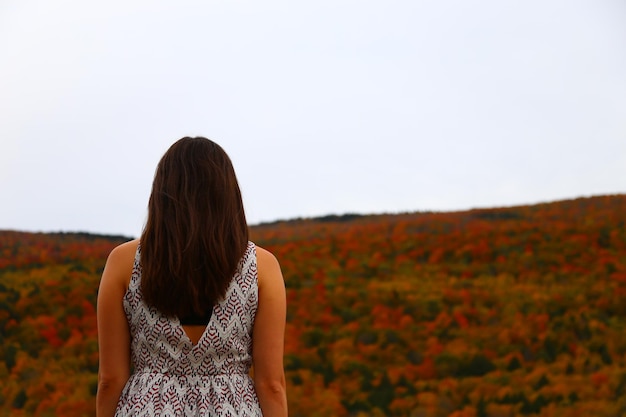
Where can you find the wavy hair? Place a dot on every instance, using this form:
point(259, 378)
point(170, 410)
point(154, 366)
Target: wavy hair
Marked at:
point(196, 230)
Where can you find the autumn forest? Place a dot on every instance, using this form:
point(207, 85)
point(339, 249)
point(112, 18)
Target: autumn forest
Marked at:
point(504, 312)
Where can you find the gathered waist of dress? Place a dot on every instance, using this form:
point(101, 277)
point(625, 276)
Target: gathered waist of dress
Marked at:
point(195, 375)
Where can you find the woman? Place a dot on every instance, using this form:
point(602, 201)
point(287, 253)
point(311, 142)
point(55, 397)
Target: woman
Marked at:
point(192, 304)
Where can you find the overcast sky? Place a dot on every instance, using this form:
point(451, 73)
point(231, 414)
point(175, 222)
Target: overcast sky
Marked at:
point(326, 106)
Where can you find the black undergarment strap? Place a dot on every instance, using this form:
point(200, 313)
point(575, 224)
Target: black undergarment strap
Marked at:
point(196, 320)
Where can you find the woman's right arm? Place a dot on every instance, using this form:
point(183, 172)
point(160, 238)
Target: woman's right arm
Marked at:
point(268, 337)
point(113, 332)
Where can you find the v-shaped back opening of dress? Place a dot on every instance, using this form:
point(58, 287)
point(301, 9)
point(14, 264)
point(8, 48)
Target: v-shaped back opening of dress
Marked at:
point(195, 332)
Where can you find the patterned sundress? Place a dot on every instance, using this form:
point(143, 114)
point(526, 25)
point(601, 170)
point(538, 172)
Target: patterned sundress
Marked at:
point(172, 376)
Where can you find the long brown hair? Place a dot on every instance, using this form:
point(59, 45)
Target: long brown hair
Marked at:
point(196, 231)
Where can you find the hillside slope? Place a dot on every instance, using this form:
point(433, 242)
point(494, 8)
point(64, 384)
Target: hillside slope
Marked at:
point(491, 312)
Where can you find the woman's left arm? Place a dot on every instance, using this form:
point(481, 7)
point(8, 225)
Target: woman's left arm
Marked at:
point(113, 332)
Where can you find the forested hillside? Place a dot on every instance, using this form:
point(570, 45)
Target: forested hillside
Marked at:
point(493, 312)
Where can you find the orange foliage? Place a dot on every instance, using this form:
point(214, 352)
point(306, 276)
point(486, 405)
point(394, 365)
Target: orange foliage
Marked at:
point(497, 312)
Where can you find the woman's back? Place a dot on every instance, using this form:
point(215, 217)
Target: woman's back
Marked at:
point(172, 375)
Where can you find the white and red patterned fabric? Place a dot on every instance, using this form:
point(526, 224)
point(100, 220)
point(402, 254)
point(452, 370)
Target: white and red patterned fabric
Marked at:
point(173, 377)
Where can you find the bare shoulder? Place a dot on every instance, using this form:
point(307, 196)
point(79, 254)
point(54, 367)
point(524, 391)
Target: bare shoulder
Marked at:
point(124, 252)
point(119, 265)
point(267, 265)
point(264, 256)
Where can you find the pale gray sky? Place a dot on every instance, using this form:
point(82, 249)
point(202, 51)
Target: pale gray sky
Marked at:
point(325, 106)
